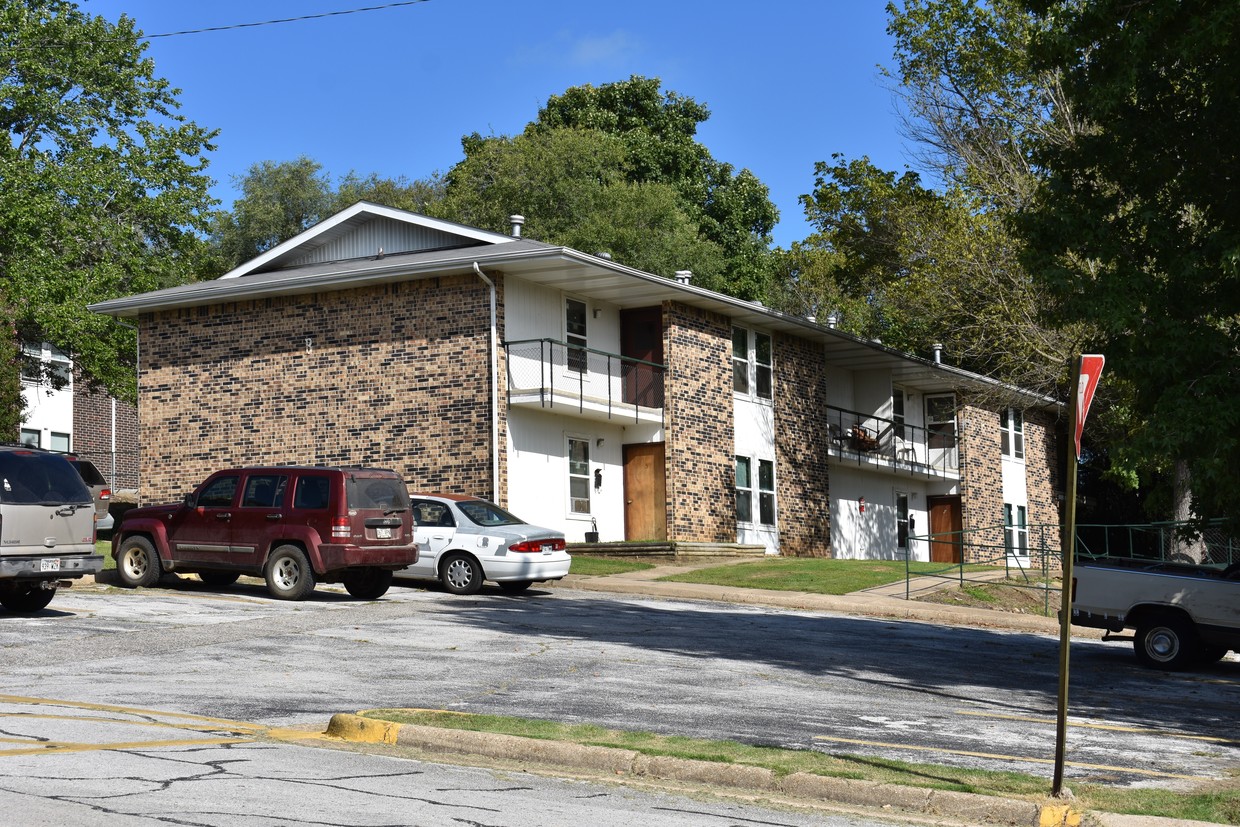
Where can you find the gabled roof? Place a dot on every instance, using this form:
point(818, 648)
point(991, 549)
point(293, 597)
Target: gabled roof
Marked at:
point(425, 247)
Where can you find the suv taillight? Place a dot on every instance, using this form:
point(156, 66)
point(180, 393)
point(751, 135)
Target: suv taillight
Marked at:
point(535, 546)
point(105, 494)
point(341, 526)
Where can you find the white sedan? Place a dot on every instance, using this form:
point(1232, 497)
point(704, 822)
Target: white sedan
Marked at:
point(464, 540)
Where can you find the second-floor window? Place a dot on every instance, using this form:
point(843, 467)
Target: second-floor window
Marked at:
point(752, 367)
point(1012, 433)
point(575, 334)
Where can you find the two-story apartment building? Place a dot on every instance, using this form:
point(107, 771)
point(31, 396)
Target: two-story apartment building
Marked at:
point(579, 393)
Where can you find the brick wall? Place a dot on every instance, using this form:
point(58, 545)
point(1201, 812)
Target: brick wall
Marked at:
point(105, 431)
point(701, 473)
point(801, 440)
point(982, 483)
point(393, 376)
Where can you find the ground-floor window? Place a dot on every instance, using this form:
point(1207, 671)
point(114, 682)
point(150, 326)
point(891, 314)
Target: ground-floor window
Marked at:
point(747, 487)
point(902, 521)
point(578, 475)
point(1016, 530)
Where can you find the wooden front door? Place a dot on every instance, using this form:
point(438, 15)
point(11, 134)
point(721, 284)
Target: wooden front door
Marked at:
point(645, 497)
point(641, 337)
point(946, 542)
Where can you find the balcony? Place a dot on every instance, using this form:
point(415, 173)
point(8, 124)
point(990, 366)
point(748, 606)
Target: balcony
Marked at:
point(882, 444)
point(583, 382)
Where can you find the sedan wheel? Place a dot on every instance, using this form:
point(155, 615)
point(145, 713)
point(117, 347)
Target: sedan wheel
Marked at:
point(461, 574)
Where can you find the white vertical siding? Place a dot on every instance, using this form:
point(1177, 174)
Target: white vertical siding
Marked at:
point(366, 239)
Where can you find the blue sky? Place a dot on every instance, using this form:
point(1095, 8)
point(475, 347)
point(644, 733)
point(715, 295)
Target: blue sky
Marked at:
point(391, 91)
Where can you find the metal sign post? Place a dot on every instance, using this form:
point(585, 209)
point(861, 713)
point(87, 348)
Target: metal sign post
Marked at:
point(1084, 383)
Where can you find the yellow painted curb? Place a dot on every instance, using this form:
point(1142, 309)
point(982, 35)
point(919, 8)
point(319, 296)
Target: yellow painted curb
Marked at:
point(367, 730)
point(1059, 815)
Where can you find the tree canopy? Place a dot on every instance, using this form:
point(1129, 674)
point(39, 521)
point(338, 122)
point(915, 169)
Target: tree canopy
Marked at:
point(105, 192)
point(1136, 228)
point(616, 168)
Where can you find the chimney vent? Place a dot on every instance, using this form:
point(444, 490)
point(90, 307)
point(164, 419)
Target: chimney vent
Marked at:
point(684, 276)
point(517, 221)
point(937, 347)
point(833, 319)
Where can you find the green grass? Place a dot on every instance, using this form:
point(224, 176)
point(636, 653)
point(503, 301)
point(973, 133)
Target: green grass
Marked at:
point(104, 547)
point(1222, 806)
point(600, 566)
point(812, 574)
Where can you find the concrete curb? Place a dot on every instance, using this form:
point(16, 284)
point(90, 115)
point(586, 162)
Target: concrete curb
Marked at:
point(980, 809)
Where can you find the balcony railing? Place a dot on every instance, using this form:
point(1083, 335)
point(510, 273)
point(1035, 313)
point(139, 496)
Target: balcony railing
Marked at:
point(874, 441)
point(592, 383)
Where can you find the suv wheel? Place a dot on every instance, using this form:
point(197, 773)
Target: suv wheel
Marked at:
point(25, 597)
point(137, 564)
point(288, 574)
point(461, 574)
point(367, 583)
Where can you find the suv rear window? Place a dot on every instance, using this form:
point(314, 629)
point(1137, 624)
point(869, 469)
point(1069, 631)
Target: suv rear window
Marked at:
point(387, 493)
point(34, 478)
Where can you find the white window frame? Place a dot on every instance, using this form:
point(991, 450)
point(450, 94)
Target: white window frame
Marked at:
point(576, 362)
point(1012, 433)
point(1015, 530)
point(758, 495)
point(766, 494)
point(571, 503)
point(744, 489)
point(749, 370)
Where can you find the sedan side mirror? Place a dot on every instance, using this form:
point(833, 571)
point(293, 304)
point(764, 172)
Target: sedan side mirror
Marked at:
point(189, 500)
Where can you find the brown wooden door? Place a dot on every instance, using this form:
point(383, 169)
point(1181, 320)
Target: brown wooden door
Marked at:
point(645, 497)
point(945, 527)
point(641, 337)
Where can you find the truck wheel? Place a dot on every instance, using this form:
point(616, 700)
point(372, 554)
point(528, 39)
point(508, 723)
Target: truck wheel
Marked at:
point(367, 583)
point(138, 563)
point(288, 574)
point(461, 574)
point(25, 598)
point(1166, 642)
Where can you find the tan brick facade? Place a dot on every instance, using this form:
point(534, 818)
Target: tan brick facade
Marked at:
point(981, 467)
point(701, 473)
point(801, 440)
point(393, 376)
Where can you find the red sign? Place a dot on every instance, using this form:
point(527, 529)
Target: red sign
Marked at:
point(1087, 383)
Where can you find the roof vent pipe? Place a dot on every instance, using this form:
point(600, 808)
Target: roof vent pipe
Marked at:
point(937, 347)
point(517, 222)
point(833, 319)
point(684, 276)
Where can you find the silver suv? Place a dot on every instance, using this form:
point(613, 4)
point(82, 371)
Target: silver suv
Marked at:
point(47, 527)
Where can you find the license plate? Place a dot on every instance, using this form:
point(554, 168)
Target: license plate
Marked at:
point(548, 549)
point(50, 564)
point(383, 533)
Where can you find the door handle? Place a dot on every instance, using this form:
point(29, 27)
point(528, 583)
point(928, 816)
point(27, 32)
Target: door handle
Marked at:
point(274, 516)
point(223, 515)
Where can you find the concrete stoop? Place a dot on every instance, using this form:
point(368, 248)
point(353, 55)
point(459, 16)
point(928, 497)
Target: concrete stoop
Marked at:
point(621, 763)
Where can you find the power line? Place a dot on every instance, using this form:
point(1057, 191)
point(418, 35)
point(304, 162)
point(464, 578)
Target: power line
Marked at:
point(286, 19)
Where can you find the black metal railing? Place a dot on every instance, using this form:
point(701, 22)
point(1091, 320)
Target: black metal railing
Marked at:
point(868, 439)
point(551, 369)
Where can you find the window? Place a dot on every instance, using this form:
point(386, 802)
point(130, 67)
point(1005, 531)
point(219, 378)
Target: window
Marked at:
point(219, 494)
point(1016, 531)
point(744, 491)
point(1012, 433)
point(578, 475)
point(575, 334)
point(740, 360)
point(941, 421)
point(312, 493)
point(60, 442)
point(766, 492)
point(902, 521)
point(264, 491)
point(897, 412)
point(42, 363)
point(751, 363)
point(31, 437)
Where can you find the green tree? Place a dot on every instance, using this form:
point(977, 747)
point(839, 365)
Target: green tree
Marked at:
point(105, 192)
point(634, 143)
point(1136, 228)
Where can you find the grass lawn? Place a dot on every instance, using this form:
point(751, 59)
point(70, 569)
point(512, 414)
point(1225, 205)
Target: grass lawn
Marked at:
point(810, 574)
point(599, 566)
point(104, 547)
point(1220, 803)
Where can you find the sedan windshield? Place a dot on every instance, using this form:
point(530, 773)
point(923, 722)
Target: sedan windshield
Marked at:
point(483, 513)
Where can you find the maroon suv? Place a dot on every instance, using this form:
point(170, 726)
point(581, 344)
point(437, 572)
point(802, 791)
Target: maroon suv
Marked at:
point(293, 526)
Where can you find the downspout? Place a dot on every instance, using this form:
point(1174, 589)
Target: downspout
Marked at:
point(494, 392)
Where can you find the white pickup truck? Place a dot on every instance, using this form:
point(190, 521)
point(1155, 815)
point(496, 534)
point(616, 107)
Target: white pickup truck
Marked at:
point(1184, 615)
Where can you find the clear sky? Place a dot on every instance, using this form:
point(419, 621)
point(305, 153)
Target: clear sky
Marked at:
point(391, 91)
